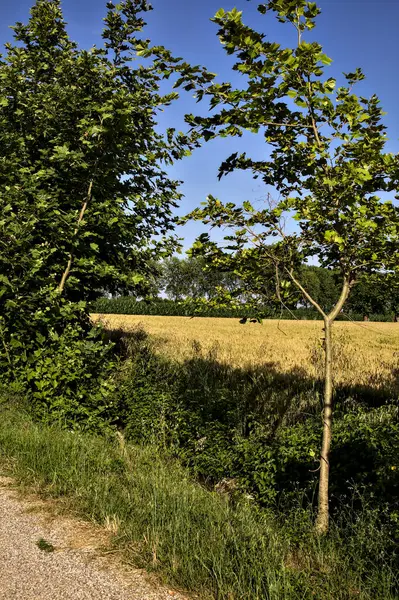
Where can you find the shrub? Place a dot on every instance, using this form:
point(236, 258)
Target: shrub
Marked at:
point(60, 363)
point(129, 305)
point(248, 425)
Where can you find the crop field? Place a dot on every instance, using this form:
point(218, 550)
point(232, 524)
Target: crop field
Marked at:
point(366, 353)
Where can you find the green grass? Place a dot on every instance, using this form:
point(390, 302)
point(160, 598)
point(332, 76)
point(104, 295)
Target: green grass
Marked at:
point(192, 537)
point(44, 545)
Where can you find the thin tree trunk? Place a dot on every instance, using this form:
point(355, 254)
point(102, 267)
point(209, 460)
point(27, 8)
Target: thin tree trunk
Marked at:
point(322, 520)
point(80, 219)
point(323, 515)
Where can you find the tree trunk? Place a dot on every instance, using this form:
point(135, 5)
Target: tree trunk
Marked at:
point(322, 520)
point(323, 514)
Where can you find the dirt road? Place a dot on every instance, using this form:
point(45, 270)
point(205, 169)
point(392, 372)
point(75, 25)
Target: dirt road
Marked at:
point(44, 556)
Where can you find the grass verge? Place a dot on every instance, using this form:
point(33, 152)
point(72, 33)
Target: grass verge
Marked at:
point(194, 538)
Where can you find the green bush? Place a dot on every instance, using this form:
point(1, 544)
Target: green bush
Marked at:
point(129, 305)
point(63, 365)
point(249, 425)
point(69, 380)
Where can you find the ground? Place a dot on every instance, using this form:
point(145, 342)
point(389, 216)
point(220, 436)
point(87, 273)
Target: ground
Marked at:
point(48, 556)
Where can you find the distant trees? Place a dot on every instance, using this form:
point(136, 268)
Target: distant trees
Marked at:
point(375, 295)
point(188, 278)
point(191, 279)
point(322, 285)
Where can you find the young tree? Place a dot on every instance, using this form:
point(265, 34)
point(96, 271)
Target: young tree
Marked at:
point(327, 164)
point(86, 204)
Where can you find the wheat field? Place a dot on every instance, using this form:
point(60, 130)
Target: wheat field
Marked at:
point(366, 353)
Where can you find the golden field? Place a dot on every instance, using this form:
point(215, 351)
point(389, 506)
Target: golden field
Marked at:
point(366, 353)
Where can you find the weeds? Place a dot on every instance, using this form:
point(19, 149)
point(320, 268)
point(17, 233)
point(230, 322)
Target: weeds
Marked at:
point(195, 538)
point(44, 545)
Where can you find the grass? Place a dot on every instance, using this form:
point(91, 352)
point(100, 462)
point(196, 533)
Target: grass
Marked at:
point(192, 537)
point(366, 352)
point(44, 545)
point(198, 387)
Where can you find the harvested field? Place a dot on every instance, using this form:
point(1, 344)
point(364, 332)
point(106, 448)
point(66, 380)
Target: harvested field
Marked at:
point(367, 353)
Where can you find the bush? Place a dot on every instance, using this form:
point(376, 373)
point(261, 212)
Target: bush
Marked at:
point(129, 305)
point(69, 380)
point(62, 365)
point(248, 425)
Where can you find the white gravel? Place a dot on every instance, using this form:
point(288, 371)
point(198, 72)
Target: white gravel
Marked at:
point(75, 570)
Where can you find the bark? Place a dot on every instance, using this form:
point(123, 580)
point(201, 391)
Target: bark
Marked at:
point(323, 514)
point(322, 520)
point(75, 233)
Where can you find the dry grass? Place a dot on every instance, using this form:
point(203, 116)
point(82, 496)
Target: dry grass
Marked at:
point(367, 353)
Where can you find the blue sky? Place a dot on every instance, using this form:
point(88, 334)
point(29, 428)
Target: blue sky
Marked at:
point(354, 33)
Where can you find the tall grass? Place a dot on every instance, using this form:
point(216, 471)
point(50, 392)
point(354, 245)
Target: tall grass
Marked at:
point(195, 538)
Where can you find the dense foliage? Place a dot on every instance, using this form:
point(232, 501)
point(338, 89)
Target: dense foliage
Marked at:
point(82, 194)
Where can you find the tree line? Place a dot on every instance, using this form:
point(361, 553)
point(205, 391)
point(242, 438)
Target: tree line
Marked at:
point(189, 279)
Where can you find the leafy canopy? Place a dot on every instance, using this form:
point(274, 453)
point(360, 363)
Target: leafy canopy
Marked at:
point(327, 164)
point(85, 201)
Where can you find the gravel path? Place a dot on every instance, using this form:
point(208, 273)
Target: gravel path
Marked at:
point(74, 570)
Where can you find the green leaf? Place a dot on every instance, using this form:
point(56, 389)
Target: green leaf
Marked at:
point(248, 206)
point(324, 59)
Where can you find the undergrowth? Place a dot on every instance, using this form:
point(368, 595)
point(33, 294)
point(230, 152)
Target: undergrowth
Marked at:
point(194, 538)
point(257, 427)
point(208, 475)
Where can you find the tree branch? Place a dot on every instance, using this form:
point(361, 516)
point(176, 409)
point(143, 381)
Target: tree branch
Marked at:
point(342, 299)
point(80, 219)
point(305, 293)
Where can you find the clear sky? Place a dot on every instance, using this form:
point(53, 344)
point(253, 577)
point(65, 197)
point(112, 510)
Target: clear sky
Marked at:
point(354, 33)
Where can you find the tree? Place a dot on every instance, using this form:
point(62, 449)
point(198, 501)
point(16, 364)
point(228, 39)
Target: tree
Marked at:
point(321, 285)
point(376, 294)
point(191, 279)
point(85, 201)
point(174, 279)
point(327, 164)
